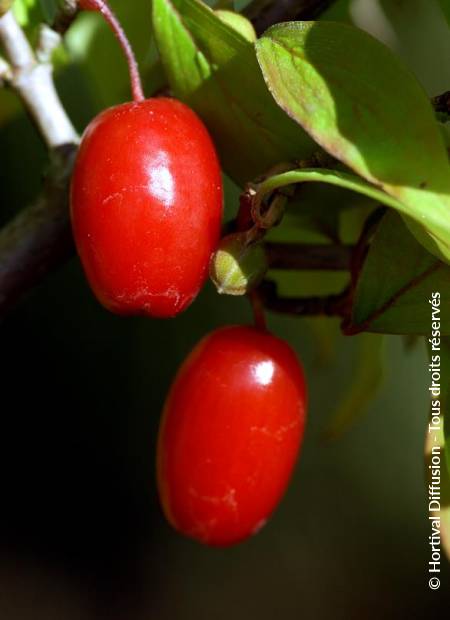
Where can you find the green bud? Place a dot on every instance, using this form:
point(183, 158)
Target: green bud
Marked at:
point(237, 266)
point(239, 23)
point(5, 5)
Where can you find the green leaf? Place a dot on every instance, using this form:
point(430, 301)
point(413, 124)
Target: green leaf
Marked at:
point(358, 101)
point(313, 218)
point(239, 23)
point(31, 13)
point(330, 177)
point(365, 382)
point(27, 12)
point(49, 9)
point(214, 69)
point(327, 206)
point(396, 282)
point(334, 178)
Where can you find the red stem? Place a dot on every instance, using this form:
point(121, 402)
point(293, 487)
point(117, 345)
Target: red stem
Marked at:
point(101, 6)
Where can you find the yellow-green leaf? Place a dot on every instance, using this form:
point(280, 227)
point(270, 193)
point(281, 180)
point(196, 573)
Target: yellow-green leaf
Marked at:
point(358, 101)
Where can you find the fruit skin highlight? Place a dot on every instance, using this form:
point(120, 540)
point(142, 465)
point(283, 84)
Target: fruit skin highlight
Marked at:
point(230, 435)
point(146, 206)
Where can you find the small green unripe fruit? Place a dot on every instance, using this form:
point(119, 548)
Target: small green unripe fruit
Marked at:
point(237, 266)
point(239, 23)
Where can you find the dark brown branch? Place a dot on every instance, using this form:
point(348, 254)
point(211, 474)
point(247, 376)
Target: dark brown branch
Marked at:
point(265, 13)
point(39, 238)
point(441, 105)
point(67, 12)
point(332, 305)
point(308, 256)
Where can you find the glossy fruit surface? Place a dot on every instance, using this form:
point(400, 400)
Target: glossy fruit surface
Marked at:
point(230, 434)
point(146, 206)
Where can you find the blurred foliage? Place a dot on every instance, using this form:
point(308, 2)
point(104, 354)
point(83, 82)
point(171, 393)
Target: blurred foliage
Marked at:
point(445, 5)
point(28, 12)
point(5, 5)
point(365, 382)
point(82, 392)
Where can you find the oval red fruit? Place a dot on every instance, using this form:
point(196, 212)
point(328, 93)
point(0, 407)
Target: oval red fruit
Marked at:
point(146, 206)
point(230, 435)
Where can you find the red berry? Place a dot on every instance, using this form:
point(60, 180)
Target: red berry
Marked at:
point(230, 435)
point(146, 204)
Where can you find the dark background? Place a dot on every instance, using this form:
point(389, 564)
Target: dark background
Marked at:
point(81, 532)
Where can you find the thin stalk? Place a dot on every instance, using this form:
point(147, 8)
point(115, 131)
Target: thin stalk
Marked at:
point(102, 7)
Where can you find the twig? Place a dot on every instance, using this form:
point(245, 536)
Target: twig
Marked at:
point(308, 256)
point(265, 13)
point(48, 41)
point(362, 246)
point(331, 305)
point(39, 238)
point(33, 82)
